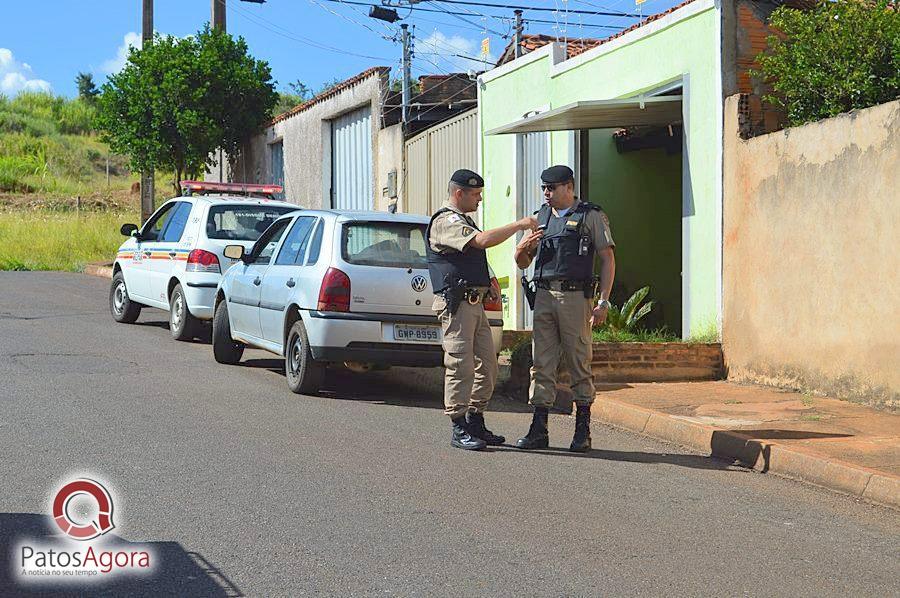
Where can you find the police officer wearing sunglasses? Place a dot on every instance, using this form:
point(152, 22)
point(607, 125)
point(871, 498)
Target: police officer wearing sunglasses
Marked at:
point(570, 234)
point(457, 264)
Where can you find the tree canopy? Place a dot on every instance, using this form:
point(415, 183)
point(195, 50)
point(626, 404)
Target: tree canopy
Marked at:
point(178, 100)
point(839, 56)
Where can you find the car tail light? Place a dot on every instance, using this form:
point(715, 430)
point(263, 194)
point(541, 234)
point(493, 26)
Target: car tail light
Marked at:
point(494, 304)
point(334, 294)
point(200, 260)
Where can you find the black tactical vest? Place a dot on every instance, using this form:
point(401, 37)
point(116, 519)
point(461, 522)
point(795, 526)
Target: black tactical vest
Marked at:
point(558, 256)
point(446, 268)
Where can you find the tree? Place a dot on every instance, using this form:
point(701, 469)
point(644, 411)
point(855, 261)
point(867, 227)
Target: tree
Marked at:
point(837, 57)
point(301, 89)
point(179, 100)
point(87, 90)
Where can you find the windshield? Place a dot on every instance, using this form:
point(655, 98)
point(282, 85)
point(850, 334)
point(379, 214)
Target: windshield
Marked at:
point(385, 244)
point(241, 223)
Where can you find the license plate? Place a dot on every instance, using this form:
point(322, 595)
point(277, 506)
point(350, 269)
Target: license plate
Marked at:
point(423, 334)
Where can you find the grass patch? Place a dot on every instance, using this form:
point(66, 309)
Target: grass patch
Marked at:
point(48, 240)
point(658, 335)
point(705, 333)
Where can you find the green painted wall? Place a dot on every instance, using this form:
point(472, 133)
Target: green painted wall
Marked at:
point(687, 49)
point(641, 193)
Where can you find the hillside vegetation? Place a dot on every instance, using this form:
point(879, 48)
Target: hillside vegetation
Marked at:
point(49, 153)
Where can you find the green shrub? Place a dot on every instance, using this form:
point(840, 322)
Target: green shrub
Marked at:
point(839, 56)
point(75, 117)
point(626, 318)
point(15, 122)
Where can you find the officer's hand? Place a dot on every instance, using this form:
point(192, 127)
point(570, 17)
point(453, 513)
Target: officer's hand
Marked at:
point(530, 241)
point(528, 223)
point(598, 316)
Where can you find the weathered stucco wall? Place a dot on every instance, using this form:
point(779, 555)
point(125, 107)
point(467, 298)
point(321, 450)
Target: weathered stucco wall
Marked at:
point(811, 283)
point(389, 158)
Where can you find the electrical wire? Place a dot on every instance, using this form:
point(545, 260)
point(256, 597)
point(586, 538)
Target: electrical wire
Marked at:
point(278, 30)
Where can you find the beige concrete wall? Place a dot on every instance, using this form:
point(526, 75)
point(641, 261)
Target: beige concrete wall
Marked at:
point(389, 158)
point(811, 280)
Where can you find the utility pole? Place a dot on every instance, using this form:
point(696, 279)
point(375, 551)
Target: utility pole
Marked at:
point(517, 39)
point(407, 58)
point(147, 182)
point(218, 14)
point(217, 18)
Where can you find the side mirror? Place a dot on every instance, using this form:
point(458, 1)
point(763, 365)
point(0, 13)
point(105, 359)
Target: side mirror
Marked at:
point(234, 252)
point(129, 230)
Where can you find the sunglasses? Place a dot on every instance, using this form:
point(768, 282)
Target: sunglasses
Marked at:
point(550, 186)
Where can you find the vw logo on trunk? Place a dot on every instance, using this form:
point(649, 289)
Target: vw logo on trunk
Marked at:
point(419, 283)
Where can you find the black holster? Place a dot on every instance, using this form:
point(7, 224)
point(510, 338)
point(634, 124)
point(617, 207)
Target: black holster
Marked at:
point(454, 294)
point(530, 289)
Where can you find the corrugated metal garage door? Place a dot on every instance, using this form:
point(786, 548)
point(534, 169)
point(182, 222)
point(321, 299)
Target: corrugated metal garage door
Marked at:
point(351, 161)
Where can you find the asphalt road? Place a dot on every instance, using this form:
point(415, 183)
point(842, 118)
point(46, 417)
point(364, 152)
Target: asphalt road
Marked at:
point(244, 488)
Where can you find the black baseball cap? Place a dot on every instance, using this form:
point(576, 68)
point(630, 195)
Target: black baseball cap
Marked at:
point(467, 178)
point(557, 174)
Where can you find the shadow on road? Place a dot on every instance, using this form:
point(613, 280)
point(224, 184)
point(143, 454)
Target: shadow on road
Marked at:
point(691, 461)
point(177, 572)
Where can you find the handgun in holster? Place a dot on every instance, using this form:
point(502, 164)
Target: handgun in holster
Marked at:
point(454, 293)
point(590, 289)
point(530, 289)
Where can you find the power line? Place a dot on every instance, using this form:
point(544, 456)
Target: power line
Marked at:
point(260, 22)
point(607, 13)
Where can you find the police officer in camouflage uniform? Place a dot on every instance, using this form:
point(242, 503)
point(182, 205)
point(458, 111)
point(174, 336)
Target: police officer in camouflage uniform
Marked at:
point(457, 264)
point(572, 232)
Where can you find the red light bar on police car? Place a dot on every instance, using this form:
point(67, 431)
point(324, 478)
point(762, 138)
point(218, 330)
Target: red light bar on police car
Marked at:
point(209, 187)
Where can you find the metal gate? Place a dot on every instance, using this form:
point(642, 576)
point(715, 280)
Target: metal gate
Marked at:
point(433, 155)
point(534, 157)
point(276, 151)
point(351, 161)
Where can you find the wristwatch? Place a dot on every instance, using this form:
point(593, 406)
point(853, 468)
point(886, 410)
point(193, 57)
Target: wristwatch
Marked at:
point(604, 303)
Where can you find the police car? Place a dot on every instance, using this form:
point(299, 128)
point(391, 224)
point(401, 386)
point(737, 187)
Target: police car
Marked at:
point(175, 260)
point(326, 287)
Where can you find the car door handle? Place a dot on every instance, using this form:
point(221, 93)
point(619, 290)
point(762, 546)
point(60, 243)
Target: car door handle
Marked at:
point(257, 281)
point(290, 282)
point(172, 254)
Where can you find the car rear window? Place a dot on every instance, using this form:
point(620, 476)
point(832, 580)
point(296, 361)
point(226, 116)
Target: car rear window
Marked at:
point(385, 244)
point(241, 223)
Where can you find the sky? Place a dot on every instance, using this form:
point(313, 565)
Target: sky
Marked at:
point(44, 44)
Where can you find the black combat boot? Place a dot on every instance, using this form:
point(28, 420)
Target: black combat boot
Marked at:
point(581, 442)
point(538, 437)
point(475, 425)
point(461, 437)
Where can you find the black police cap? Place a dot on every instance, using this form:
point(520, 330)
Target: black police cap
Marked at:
point(467, 178)
point(557, 174)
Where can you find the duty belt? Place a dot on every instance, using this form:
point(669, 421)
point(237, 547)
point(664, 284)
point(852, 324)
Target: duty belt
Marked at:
point(564, 285)
point(474, 296)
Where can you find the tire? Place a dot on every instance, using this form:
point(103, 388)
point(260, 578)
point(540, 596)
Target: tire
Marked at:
point(225, 349)
point(123, 310)
point(182, 324)
point(304, 374)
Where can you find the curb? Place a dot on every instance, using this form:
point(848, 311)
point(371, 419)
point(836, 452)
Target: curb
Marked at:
point(101, 269)
point(761, 455)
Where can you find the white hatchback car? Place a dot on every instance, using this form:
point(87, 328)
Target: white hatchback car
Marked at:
point(322, 287)
point(175, 260)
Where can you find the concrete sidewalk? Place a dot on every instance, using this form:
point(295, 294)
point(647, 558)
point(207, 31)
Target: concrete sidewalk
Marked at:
point(831, 443)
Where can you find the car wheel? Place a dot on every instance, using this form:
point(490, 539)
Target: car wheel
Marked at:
point(122, 308)
point(225, 349)
point(182, 324)
point(304, 374)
